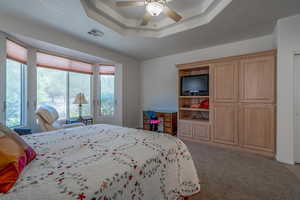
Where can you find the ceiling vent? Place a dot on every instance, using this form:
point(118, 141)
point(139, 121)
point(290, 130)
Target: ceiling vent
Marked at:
point(96, 33)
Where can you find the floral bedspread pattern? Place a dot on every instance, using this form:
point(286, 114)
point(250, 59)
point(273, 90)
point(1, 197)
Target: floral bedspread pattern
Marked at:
point(104, 162)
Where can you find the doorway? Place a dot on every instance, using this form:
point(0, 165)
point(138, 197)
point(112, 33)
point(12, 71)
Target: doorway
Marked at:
point(297, 108)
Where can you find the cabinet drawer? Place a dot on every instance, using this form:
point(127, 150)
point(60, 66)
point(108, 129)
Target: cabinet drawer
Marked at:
point(168, 130)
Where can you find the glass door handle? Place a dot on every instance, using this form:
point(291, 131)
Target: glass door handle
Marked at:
point(4, 106)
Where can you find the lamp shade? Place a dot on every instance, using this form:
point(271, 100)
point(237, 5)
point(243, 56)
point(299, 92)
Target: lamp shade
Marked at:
point(80, 99)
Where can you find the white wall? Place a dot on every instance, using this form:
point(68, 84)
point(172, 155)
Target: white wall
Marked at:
point(288, 42)
point(47, 34)
point(159, 75)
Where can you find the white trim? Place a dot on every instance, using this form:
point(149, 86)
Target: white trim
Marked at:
point(68, 95)
point(31, 89)
point(2, 76)
point(95, 101)
point(192, 18)
point(295, 136)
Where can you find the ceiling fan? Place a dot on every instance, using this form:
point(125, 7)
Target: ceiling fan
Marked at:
point(153, 8)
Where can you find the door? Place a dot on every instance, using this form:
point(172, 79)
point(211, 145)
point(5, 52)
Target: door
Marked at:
point(297, 108)
point(109, 95)
point(225, 123)
point(257, 127)
point(257, 80)
point(226, 82)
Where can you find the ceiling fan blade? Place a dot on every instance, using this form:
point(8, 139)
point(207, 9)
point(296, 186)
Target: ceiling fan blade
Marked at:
point(146, 19)
point(130, 3)
point(172, 14)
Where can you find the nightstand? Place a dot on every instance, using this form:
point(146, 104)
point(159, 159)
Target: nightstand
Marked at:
point(23, 131)
point(85, 120)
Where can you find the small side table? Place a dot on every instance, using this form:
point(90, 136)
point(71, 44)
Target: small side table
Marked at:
point(85, 120)
point(23, 131)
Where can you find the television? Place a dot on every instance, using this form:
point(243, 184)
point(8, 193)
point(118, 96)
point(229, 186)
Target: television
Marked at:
point(195, 85)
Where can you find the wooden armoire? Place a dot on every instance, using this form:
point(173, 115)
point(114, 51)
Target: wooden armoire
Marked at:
point(242, 97)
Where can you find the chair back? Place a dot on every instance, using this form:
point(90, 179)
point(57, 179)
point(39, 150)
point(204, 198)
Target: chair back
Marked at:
point(47, 117)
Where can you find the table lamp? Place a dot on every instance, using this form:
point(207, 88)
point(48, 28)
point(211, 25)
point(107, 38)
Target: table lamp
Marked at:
point(80, 100)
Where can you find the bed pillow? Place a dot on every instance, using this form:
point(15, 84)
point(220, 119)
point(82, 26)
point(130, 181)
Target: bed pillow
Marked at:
point(15, 154)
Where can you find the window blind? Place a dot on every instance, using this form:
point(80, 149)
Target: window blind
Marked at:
point(16, 52)
point(61, 63)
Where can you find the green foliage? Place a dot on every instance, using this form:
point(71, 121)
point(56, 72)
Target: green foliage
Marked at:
point(107, 96)
point(13, 93)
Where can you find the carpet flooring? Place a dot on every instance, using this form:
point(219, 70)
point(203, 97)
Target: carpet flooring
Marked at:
point(227, 174)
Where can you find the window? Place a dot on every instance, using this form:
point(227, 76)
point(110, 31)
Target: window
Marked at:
point(15, 84)
point(60, 80)
point(15, 93)
point(79, 83)
point(52, 90)
point(58, 89)
point(107, 90)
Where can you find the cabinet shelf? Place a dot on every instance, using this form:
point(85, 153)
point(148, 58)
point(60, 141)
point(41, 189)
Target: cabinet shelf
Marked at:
point(191, 97)
point(195, 109)
point(195, 120)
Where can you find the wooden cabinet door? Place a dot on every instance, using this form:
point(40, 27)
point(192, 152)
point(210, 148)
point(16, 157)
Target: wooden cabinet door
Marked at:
point(201, 131)
point(226, 81)
point(257, 80)
point(184, 129)
point(225, 125)
point(257, 127)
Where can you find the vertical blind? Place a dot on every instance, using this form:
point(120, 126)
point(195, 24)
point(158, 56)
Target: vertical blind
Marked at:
point(16, 52)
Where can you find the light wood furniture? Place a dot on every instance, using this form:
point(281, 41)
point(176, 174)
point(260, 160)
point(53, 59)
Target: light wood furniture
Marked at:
point(169, 121)
point(242, 103)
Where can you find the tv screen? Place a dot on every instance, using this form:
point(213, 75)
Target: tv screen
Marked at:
point(195, 85)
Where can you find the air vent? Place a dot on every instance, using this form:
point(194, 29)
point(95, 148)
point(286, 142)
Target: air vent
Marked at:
point(96, 33)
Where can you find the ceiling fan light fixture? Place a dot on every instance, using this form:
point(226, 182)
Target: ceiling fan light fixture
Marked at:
point(154, 8)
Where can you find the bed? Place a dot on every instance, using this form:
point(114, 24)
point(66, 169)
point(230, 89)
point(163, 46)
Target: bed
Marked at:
point(104, 162)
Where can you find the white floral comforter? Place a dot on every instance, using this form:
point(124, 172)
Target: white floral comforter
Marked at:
point(103, 162)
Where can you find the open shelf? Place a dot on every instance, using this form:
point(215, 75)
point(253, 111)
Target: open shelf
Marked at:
point(195, 109)
point(190, 97)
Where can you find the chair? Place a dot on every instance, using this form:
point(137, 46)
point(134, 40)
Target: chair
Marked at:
point(47, 118)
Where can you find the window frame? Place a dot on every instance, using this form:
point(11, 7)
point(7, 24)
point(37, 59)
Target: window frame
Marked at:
point(68, 103)
point(68, 96)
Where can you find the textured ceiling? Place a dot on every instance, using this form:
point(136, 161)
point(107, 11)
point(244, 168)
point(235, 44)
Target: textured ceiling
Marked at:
point(242, 19)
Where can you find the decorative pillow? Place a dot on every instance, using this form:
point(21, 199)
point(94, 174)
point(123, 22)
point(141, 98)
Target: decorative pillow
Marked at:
point(15, 154)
